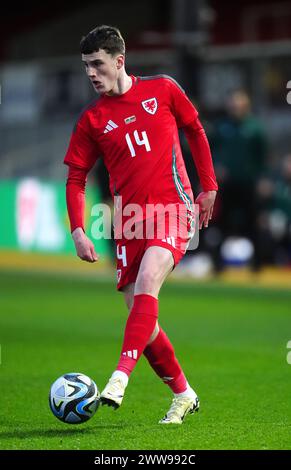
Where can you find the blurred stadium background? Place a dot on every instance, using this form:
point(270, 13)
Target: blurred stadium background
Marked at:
point(226, 62)
point(234, 63)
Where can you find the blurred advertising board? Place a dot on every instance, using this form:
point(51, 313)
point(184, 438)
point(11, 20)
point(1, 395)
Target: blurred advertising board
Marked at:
point(34, 216)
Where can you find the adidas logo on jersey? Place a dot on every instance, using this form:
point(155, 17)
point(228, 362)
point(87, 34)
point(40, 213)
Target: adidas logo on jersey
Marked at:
point(110, 126)
point(132, 354)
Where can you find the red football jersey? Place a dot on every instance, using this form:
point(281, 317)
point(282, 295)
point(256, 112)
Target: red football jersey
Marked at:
point(136, 134)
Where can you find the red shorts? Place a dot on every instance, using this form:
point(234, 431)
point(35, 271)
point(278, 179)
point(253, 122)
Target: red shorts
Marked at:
point(130, 252)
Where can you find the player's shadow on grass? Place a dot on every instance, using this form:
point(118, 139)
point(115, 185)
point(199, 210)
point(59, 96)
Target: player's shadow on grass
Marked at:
point(57, 432)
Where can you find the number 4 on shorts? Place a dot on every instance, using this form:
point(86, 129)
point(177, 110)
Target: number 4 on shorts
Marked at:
point(121, 254)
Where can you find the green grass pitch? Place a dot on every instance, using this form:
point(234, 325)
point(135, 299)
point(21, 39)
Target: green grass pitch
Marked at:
point(231, 342)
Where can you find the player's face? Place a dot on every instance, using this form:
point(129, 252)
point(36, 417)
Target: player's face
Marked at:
point(103, 70)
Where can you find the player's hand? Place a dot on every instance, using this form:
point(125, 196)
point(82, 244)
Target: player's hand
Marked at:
point(206, 202)
point(84, 247)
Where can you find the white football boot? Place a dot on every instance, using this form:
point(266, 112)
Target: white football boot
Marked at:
point(181, 406)
point(113, 393)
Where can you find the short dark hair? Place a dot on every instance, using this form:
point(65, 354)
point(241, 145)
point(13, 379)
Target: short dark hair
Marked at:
point(103, 37)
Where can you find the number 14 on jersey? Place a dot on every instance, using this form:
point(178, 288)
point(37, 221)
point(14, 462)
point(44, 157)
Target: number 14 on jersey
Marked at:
point(139, 141)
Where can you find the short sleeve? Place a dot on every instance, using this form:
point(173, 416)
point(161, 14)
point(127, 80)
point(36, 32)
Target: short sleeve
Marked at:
point(182, 108)
point(83, 150)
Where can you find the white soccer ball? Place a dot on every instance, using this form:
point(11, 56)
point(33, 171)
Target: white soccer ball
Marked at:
point(74, 398)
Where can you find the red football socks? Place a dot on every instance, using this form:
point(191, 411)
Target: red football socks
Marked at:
point(139, 328)
point(161, 356)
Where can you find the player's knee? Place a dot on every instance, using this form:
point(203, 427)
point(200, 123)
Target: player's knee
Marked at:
point(129, 302)
point(147, 280)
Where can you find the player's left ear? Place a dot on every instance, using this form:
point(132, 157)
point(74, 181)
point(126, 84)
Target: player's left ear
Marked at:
point(119, 61)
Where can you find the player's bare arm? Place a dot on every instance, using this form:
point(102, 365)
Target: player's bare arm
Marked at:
point(84, 247)
point(205, 200)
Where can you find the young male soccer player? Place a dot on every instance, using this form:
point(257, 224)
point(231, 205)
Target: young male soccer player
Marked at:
point(133, 125)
